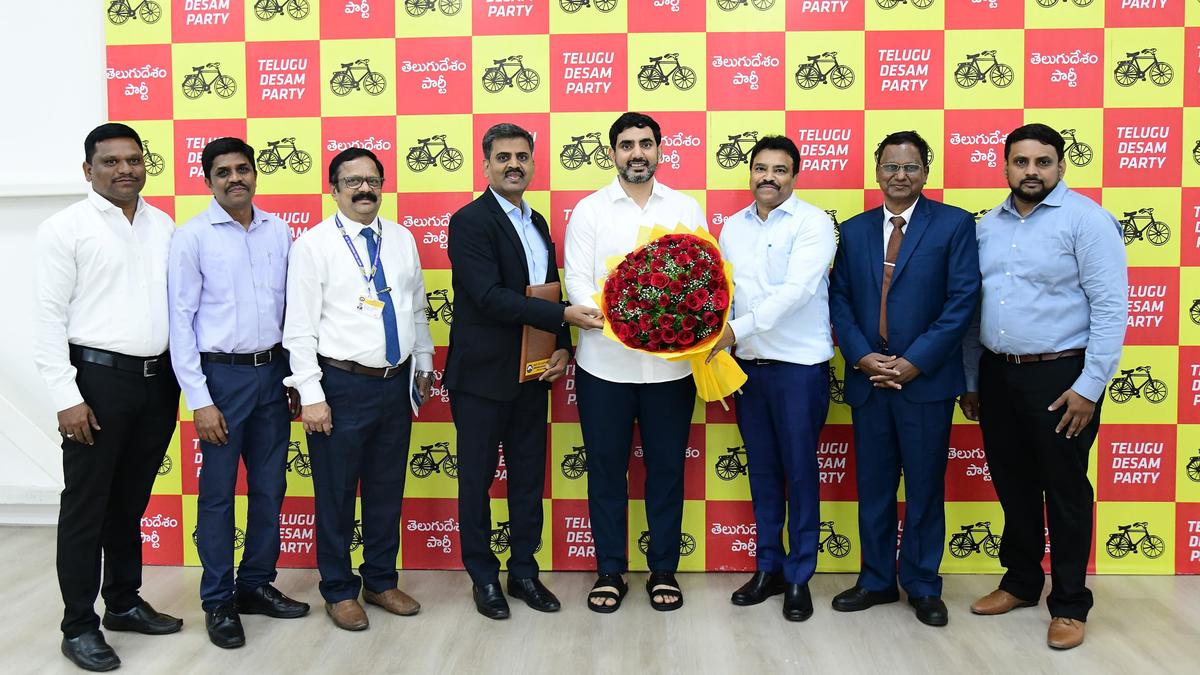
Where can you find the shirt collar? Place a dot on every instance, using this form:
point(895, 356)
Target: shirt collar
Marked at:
point(102, 204)
point(616, 192)
point(1055, 198)
point(906, 214)
point(788, 206)
point(508, 207)
point(217, 215)
point(353, 227)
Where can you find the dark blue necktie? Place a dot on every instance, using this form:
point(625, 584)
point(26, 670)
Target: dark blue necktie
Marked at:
point(389, 312)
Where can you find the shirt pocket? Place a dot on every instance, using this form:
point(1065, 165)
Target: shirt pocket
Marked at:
point(779, 248)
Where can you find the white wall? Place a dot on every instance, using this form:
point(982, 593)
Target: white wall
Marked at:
point(42, 125)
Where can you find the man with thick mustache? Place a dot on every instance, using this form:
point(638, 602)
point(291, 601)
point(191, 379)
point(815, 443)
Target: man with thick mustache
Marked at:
point(226, 281)
point(618, 386)
point(362, 360)
point(1051, 324)
point(780, 248)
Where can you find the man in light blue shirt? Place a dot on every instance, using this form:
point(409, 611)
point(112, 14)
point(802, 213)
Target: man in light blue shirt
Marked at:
point(226, 280)
point(780, 248)
point(1052, 321)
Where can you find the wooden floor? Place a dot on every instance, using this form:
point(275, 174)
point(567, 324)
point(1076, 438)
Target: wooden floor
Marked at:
point(1139, 624)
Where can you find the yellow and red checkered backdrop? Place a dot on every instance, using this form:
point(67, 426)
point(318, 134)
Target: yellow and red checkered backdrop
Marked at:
point(418, 81)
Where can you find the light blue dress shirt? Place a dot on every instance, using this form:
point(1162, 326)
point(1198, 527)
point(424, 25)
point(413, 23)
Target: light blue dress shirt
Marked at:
point(225, 290)
point(1052, 280)
point(537, 254)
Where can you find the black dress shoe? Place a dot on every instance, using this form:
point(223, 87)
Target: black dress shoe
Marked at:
point(266, 599)
point(142, 619)
point(225, 627)
point(90, 652)
point(489, 601)
point(858, 598)
point(797, 603)
point(760, 587)
point(931, 611)
point(534, 593)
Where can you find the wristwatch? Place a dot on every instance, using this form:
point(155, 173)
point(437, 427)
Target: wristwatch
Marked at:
point(424, 373)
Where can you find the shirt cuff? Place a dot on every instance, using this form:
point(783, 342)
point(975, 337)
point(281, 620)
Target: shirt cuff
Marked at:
point(972, 382)
point(1089, 388)
point(311, 392)
point(66, 396)
point(742, 327)
point(197, 398)
point(424, 361)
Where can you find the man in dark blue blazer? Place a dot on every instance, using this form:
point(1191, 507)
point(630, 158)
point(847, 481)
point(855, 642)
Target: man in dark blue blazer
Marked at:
point(902, 293)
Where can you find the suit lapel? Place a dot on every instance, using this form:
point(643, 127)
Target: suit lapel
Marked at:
point(543, 229)
point(912, 237)
point(500, 218)
point(875, 245)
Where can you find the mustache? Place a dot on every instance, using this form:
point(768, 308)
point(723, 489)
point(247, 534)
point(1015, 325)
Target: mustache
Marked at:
point(516, 170)
point(769, 182)
point(364, 197)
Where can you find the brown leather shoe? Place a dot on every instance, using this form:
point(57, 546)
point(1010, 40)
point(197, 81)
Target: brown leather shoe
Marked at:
point(1065, 633)
point(347, 615)
point(393, 600)
point(998, 602)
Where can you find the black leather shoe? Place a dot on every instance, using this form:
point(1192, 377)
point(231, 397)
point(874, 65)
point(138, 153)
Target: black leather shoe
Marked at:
point(225, 627)
point(267, 599)
point(534, 593)
point(931, 611)
point(142, 619)
point(760, 587)
point(797, 603)
point(489, 601)
point(90, 652)
point(858, 598)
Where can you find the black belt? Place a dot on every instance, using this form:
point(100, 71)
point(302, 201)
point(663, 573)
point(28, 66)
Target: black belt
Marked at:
point(766, 362)
point(1036, 358)
point(144, 366)
point(360, 369)
point(256, 359)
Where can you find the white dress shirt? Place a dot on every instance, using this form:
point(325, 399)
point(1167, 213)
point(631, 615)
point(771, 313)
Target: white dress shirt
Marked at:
point(781, 282)
point(604, 224)
point(888, 226)
point(324, 284)
point(100, 282)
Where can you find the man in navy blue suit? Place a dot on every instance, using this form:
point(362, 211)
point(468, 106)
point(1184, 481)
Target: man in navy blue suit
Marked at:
point(902, 293)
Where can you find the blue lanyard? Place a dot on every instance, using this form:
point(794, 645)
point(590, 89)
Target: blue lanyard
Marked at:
point(368, 278)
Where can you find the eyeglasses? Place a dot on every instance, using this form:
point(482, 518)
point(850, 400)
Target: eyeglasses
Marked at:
point(910, 169)
point(352, 182)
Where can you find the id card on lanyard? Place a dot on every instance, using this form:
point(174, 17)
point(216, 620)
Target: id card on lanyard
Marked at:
point(367, 304)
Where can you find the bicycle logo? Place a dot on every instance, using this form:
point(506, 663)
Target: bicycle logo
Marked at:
point(419, 7)
point(837, 228)
point(501, 538)
point(585, 149)
point(120, 11)
point(837, 387)
point(438, 306)
point(809, 75)
point(760, 5)
point(1130, 70)
point(266, 10)
point(574, 463)
point(1077, 152)
point(497, 77)
point(343, 81)
point(963, 543)
point(732, 464)
point(195, 84)
point(1120, 543)
point(978, 215)
point(356, 538)
point(836, 545)
point(1194, 311)
point(269, 160)
point(652, 76)
point(1154, 231)
point(239, 538)
point(919, 4)
point(423, 464)
point(300, 463)
point(737, 150)
point(165, 466)
point(153, 161)
point(1123, 388)
point(968, 73)
point(420, 157)
point(1050, 3)
point(606, 6)
point(687, 543)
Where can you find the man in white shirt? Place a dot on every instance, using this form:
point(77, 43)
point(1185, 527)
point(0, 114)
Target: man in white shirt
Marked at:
point(101, 346)
point(361, 352)
point(618, 386)
point(780, 248)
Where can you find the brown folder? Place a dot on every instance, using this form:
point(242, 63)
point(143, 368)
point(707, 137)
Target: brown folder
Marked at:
point(538, 345)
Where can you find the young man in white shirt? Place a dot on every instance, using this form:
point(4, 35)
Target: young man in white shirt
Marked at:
point(618, 386)
point(101, 346)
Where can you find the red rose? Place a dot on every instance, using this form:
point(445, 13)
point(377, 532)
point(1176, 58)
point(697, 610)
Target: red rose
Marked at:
point(686, 338)
point(664, 300)
point(645, 323)
point(653, 346)
point(656, 265)
point(711, 318)
point(666, 321)
point(668, 335)
point(694, 302)
point(622, 330)
point(645, 305)
point(682, 308)
point(703, 295)
point(720, 299)
point(683, 259)
point(643, 279)
point(675, 287)
point(659, 280)
point(689, 322)
point(655, 335)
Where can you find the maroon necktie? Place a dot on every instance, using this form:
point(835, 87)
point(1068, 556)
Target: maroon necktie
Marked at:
point(889, 266)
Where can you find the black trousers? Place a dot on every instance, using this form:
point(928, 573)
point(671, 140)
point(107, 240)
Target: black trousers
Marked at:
point(1037, 471)
point(106, 489)
point(482, 425)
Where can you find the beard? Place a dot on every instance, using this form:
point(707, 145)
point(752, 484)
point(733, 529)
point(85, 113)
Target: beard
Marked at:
point(631, 177)
point(1032, 194)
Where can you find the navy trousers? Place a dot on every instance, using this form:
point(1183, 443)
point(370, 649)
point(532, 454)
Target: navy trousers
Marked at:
point(663, 412)
point(368, 450)
point(780, 413)
point(255, 407)
point(891, 432)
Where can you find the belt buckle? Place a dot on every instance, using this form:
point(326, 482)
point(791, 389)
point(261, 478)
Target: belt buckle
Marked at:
point(148, 365)
point(387, 371)
point(265, 361)
point(1017, 359)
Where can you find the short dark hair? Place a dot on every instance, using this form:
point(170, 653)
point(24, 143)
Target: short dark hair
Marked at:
point(225, 146)
point(105, 132)
point(502, 131)
point(900, 138)
point(1036, 132)
point(351, 154)
point(633, 120)
point(777, 143)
